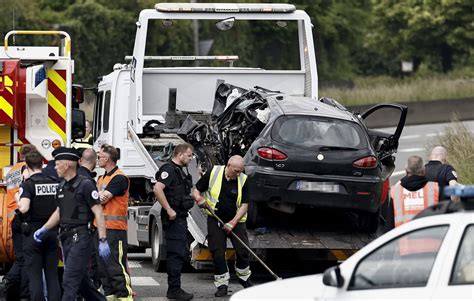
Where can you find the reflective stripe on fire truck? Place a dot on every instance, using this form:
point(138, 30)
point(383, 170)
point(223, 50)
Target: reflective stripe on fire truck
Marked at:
point(57, 102)
point(6, 99)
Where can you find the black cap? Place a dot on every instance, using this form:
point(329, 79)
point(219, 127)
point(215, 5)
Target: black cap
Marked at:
point(66, 153)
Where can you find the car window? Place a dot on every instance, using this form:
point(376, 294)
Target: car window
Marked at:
point(405, 261)
point(311, 131)
point(463, 272)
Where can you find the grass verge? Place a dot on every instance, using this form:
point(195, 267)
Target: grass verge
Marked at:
point(385, 89)
point(459, 142)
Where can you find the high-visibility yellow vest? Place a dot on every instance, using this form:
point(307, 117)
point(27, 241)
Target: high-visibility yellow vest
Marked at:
point(215, 184)
point(83, 142)
point(406, 204)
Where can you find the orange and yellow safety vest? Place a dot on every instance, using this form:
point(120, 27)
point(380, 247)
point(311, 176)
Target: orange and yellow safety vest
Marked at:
point(407, 204)
point(115, 210)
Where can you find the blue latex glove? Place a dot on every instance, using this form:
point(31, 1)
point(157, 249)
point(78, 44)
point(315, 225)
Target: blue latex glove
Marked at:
point(104, 250)
point(38, 235)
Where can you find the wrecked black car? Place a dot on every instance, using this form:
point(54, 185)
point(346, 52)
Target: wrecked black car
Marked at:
point(300, 152)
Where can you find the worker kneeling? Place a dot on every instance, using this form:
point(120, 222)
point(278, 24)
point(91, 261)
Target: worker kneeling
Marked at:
point(225, 195)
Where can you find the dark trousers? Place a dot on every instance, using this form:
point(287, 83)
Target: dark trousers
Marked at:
point(18, 275)
point(94, 268)
point(113, 272)
point(175, 236)
point(76, 254)
point(217, 240)
point(39, 257)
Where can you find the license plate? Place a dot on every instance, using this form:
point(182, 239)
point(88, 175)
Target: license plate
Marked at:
point(329, 187)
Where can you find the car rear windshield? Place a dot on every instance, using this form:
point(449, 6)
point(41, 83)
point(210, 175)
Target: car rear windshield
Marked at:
point(311, 131)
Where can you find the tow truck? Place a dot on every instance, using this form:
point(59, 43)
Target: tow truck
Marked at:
point(141, 105)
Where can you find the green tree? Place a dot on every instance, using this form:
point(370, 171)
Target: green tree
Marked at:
point(432, 31)
point(339, 29)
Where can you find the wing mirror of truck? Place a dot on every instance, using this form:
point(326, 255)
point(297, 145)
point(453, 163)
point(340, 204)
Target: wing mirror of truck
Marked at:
point(333, 277)
point(77, 94)
point(225, 24)
point(78, 124)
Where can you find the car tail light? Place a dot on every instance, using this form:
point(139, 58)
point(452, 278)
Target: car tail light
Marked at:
point(271, 154)
point(366, 162)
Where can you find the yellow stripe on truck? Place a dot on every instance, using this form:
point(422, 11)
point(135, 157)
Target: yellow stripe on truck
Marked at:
point(56, 105)
point(52, 125)
point(6, 107)
point(57, 79)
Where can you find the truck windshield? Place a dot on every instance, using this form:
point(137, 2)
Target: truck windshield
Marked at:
point(261, 44)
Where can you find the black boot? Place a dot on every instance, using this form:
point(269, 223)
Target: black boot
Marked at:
point(221, 291)
point(178, 294)
point(246, 283)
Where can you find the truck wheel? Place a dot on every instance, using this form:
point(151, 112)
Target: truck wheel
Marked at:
point(156, 250)
point(369, 222)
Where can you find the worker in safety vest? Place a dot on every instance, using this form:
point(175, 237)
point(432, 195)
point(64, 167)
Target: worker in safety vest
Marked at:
point(113, 192)
point(225, 192)
point(413, 193)
point(16, 275)
point(87, 141)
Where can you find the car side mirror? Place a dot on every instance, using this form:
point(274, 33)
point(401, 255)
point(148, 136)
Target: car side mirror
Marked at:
point(78, 124)
point(333, 277)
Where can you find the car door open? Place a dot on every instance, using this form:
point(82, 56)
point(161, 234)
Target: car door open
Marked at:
point(383, 142)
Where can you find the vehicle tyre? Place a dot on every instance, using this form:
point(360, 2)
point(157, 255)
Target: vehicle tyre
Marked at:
point(369, 222)
point(156, 249)
point(388, 215)
point(252, 215)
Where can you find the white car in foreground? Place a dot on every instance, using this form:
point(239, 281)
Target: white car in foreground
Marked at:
point(430, 258)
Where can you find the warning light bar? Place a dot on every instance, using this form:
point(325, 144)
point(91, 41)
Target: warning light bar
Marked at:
point(224, 8)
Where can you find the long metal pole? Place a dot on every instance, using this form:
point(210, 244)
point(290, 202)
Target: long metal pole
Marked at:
point(244, 244)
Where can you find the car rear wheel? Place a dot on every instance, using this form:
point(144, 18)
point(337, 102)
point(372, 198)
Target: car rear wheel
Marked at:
point(388, 215)
point(156, 249)
point(369, 222)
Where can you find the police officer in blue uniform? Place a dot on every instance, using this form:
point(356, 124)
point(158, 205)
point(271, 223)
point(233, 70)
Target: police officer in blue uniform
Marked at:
point(77, 205)
point(172, 191)
point(37, 203)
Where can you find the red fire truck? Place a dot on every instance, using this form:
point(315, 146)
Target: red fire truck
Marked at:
point(38, 105)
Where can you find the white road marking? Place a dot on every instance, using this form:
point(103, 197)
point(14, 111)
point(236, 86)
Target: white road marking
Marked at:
point(134, 264)
point(144, 281)
point(411, 150)
point(410, 137)
point(398, 173)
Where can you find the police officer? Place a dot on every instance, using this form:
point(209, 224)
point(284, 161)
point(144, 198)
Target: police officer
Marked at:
point(17, 275)
point(438, 170)
point(113, 193)
point(87, 164)
point(78, 203)
point(37, 203)
point(172, 192)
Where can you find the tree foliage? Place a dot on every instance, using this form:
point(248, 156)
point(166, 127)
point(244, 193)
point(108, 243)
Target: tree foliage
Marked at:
point(352, 37)
point(432, 31)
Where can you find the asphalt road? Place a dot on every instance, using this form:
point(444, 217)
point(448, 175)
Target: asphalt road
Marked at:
point(416, 140)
